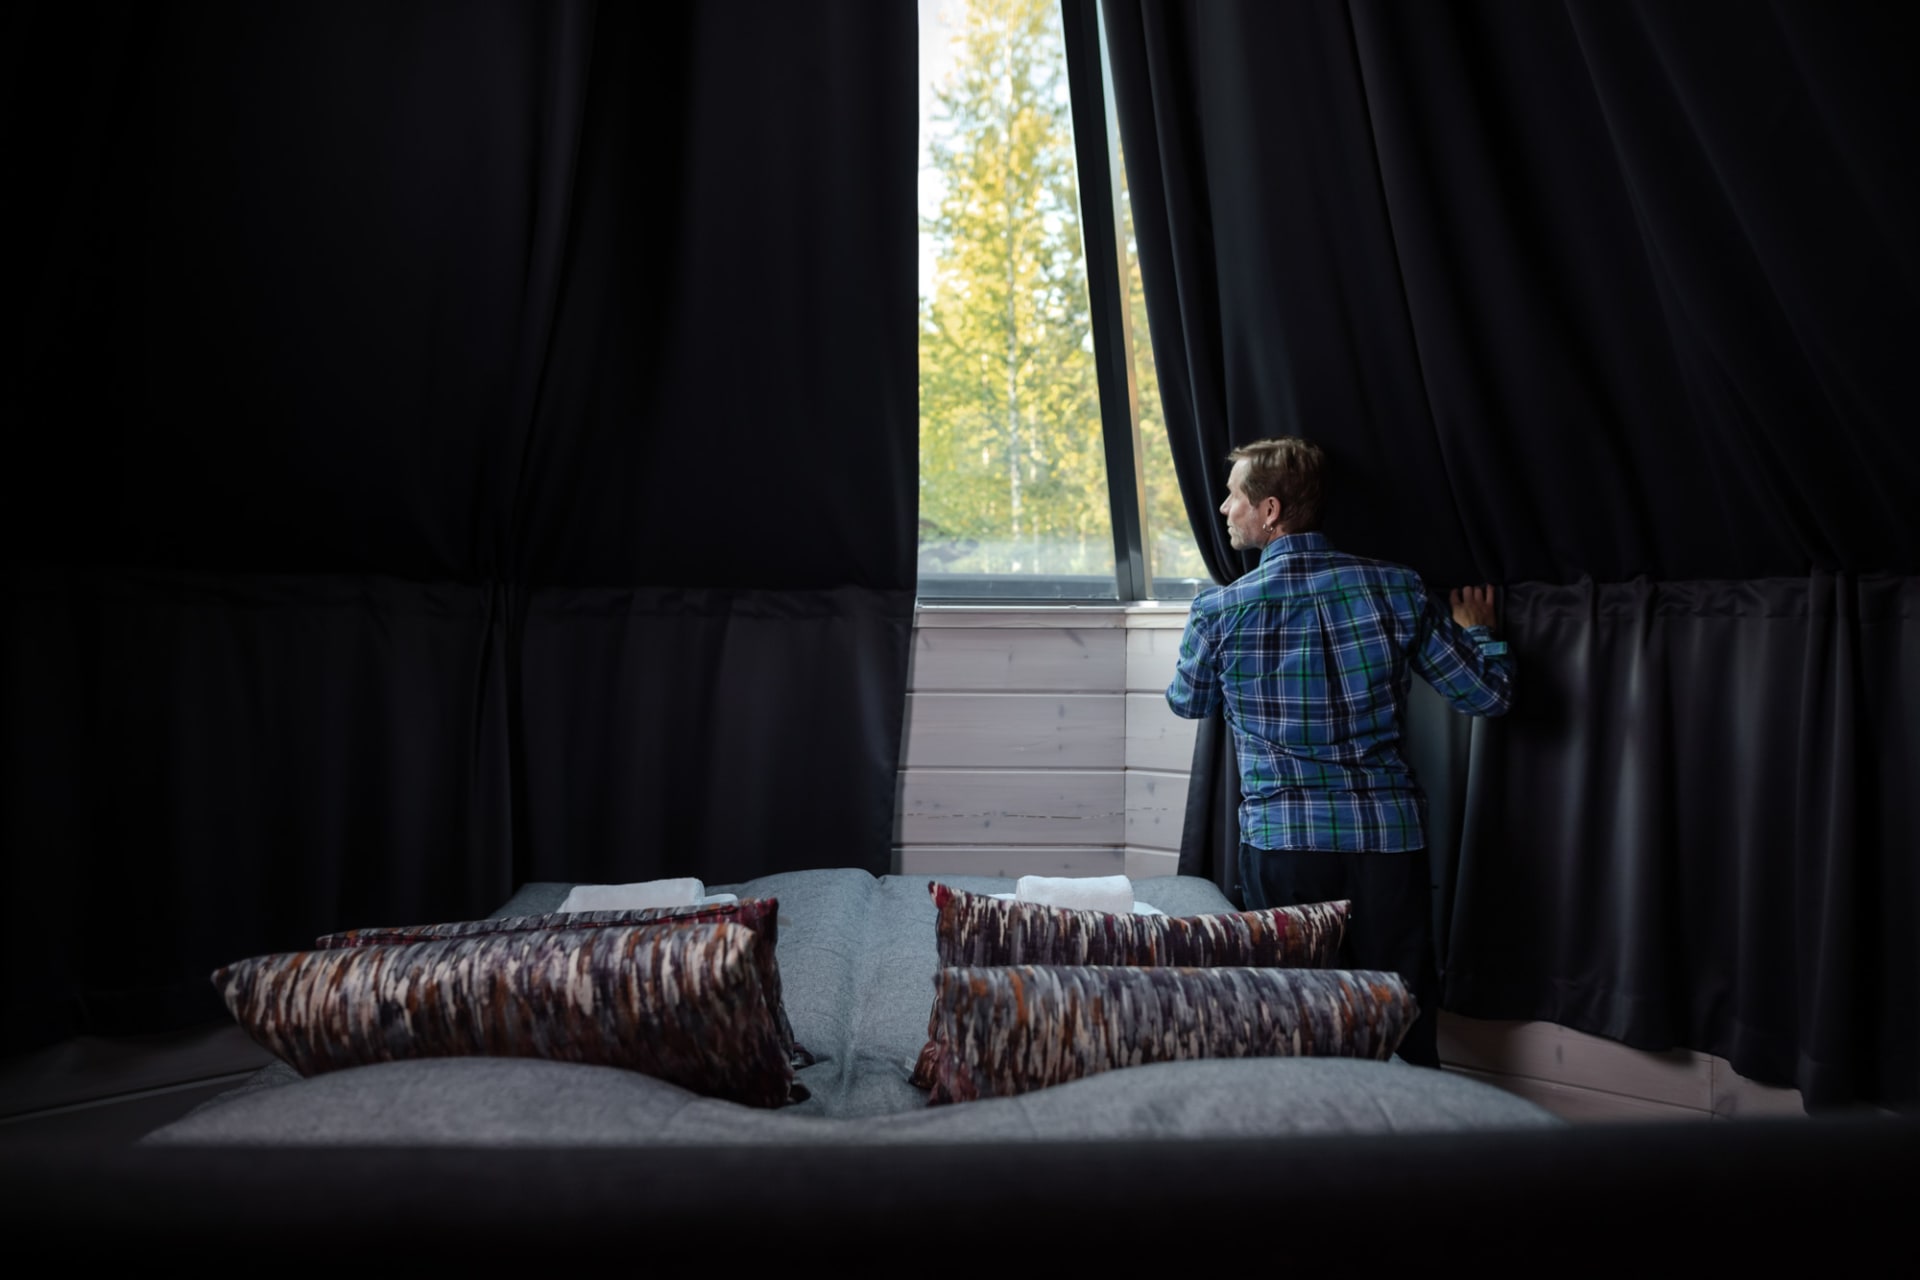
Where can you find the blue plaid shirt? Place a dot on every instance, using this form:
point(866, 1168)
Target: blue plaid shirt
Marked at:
point(1312, 654)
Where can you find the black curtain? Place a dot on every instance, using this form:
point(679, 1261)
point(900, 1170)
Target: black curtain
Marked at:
point(1210, 830)
point(450, 445)
point(1612, 304)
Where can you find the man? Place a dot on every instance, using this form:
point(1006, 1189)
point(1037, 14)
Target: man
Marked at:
point(1311, 653)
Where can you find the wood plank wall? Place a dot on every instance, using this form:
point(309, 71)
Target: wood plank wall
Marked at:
point(1039, 742)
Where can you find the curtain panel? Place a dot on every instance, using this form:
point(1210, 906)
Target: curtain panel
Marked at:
point(449, 444)
point(1612, 304)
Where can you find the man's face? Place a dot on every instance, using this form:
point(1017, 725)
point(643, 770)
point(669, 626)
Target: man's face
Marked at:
point(1244, 523)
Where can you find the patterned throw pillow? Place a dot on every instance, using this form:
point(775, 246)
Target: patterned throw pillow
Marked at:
point(762, 915)
point(974, 929)
point(680, 1004)
point(1013, 1030)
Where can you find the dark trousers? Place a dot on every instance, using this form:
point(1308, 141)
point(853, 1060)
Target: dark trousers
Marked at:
point(1390, 925)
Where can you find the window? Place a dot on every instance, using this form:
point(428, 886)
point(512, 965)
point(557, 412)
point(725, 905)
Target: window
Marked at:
point(1022, 423)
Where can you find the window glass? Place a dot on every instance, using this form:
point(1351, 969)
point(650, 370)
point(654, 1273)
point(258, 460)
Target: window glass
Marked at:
point(1013, 476)
point(1173, 558)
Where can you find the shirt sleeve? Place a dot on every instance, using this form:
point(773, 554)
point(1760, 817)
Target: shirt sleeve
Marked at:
point(1469, 667)
point(1195, 691)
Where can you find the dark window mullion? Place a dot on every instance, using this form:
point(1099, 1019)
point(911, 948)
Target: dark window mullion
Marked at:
point(1095, 154)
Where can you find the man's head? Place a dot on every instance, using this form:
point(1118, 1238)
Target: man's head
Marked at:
point(1274, 488)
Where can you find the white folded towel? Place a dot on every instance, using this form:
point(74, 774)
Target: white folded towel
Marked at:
point(1082, 893)
point(1139, 908)
point(684, 892)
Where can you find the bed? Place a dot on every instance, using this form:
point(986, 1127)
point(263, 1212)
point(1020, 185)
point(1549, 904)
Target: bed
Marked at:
point(1324, 1164)
point(856, 955)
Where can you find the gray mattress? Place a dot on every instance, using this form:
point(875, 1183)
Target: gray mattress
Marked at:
point(856, 956)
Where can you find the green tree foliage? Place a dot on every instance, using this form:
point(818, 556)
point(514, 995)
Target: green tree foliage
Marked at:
point(1013, 478)
point(1012, 467)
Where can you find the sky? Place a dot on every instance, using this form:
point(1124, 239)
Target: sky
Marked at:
point(938, 19)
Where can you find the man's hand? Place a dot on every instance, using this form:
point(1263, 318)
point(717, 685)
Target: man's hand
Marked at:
point(1473, 606)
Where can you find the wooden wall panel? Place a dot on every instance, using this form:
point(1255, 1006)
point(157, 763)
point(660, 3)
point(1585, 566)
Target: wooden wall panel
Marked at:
point(1010, 860)
point(1018, 659)
point(991, 806)
point(1016, 730)
point(1144, 864)
point(1151, 654)
point(1156, 808)
point(1737, 1098)
point(1157, 738)
point(1543, 1051)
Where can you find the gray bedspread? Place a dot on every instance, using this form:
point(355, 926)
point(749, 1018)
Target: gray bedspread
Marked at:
point(856, 958)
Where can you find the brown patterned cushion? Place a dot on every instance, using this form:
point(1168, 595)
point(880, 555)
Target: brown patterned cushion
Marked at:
point(680, 1004)
point(762, 915)
point(974, 929)
point(1012, 1030)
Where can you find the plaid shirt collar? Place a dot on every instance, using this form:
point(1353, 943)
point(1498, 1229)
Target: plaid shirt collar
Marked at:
point(1293, 544)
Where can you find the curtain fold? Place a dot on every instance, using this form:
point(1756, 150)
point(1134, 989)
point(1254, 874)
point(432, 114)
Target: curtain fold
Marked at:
point(717, 517)
point(201, 767)
point(1615, 295)
point(1166, 180)
point(1210, 828)
point(732, 734)
point(438, 430)
point(1695, 828)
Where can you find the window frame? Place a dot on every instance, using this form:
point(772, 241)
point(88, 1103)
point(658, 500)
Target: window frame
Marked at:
point(1096, 135)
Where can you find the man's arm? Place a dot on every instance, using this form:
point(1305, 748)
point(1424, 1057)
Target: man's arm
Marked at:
point(1461, 657)
point(1195, 691)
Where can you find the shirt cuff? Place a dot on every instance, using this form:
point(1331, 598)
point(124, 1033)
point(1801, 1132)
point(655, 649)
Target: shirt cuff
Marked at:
point(1483, 637)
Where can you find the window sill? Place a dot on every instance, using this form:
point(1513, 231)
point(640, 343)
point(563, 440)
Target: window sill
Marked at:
point(1149, 615)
